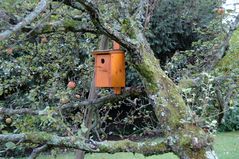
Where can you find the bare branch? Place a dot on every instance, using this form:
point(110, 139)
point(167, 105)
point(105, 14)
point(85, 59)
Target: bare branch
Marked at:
point(37, 151)
point(106, 99)
point(27, 20)
point(21, 111)
point(77, 104)
point(88, 113)
point(72, 3)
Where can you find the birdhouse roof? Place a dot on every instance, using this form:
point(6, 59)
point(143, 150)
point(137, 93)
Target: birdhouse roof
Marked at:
point(100, 52)
point(96, 52)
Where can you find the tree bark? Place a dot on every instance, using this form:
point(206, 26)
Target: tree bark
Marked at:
point(148, 147)
point(186, 140)
point(217, 53)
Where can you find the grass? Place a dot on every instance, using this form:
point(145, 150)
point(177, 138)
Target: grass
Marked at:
point(110, 156)
point(226, 146)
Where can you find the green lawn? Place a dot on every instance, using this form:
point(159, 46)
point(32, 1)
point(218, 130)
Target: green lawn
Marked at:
point(226, 146)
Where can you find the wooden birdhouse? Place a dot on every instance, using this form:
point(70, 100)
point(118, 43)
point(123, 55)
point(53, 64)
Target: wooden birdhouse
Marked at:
point(110, 68)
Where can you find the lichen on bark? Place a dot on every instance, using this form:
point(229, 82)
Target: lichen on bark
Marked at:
point(170, 108)
point(156, 146)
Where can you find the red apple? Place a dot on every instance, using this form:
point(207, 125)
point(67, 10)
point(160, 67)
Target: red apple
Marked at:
point(71, 85)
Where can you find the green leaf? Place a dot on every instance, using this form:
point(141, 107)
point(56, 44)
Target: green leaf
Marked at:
point(10, 145)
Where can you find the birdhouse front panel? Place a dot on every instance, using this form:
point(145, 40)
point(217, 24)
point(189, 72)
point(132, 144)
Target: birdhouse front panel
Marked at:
point(102, 70)
point(117, 68)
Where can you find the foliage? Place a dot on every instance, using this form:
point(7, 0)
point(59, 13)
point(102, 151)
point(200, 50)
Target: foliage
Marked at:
point(230, 123)
point(175, 24)
point(213, 96)
point(35, 70)
point(229, 67)
point(35, 76)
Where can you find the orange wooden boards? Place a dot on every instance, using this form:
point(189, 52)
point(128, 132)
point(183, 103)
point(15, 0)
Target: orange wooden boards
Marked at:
point(110, 69)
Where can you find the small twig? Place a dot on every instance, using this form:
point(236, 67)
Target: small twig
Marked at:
point(37, 151)
point(143, 106)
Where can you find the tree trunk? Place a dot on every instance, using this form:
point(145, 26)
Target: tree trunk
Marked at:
point(186, 140)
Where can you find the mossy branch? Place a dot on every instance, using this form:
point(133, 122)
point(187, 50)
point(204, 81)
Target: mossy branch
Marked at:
point(149, 147)
point(51, 140)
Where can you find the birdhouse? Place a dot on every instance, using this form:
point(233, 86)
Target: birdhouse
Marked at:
point(110, 68)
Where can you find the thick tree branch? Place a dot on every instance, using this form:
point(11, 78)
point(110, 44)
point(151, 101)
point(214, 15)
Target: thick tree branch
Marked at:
point(22, 111)
point(77, 104)
point(148, 147)
point(27, 20)
point(49, 139)
point(106, 99)
point(218, 52)
point(95, 17)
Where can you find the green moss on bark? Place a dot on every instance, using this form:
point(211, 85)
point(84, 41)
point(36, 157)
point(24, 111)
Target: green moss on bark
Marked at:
point(38, 137)
point(169, 105)
point(144, 147)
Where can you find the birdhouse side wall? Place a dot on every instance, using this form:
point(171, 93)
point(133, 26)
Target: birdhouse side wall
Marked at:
point(118, 70)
